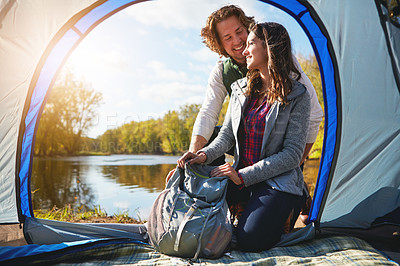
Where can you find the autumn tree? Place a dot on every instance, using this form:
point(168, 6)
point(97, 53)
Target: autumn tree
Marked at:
point(188, 114)
point(69, 112)
point(172, 131)
point(309, 64)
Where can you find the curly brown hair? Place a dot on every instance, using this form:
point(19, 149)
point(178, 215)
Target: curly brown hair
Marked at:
point(280, 63)
point(209, 32)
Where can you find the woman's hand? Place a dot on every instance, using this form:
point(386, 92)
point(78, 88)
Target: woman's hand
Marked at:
point(229, 171)
point(192, 158)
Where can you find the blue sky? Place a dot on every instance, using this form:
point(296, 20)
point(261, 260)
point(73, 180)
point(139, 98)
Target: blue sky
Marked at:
point(149, 58)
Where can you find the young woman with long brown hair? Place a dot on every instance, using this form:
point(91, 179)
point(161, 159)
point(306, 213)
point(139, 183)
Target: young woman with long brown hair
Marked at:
point(267, 123)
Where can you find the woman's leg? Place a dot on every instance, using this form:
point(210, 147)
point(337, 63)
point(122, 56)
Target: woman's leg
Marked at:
point(262, 222)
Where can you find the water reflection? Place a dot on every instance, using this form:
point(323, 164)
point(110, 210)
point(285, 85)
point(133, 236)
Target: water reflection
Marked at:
point(118, 183)
point(57, 183)
point(151, 177)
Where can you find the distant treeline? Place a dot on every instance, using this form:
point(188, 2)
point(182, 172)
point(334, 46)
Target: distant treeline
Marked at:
point(72, 106)
point(168, 135)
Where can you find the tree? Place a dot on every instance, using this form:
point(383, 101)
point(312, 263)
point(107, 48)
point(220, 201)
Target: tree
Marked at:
point(80, 110)
point(151, 138)
point(187, 115)
point(68, 114)
point(47, 137)
point(172, 133)
point(109, 141)
point(309, 64)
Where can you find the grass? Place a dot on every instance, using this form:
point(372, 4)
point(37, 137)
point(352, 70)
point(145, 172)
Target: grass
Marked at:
point(63, 214)
point(95, 215)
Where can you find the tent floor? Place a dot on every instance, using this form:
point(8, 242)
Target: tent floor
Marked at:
point(11, 235)
point(338, 250)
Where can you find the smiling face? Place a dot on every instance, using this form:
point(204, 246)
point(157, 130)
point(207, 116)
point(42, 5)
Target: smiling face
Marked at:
point(233, 36)
point(256, 53)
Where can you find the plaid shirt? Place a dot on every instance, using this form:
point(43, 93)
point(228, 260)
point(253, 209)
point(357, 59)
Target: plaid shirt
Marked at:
point(252, 132)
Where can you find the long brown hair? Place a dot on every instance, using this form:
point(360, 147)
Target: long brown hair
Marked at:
point(209, 32)
point(280, 63)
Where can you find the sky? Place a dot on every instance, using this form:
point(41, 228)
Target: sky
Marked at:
point(149, 58)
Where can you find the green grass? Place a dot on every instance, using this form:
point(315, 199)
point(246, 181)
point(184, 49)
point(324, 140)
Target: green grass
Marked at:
point(63, 214)
point(97, 214)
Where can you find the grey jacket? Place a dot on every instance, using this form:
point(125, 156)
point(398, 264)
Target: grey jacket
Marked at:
point(283, 142)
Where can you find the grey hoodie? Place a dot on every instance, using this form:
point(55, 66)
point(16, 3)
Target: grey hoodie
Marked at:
point(283, 142)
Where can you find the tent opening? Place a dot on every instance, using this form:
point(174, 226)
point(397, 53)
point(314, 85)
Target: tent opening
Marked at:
point(120, 77)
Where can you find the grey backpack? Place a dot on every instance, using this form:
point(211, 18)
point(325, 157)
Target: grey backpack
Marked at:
point(190, 218)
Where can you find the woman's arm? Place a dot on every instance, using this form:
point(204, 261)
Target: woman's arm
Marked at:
point(207, 117)
point(293, 146)
point(224, 141)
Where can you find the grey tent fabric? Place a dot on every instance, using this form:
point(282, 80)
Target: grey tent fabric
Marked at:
point(392, 30)
point(366, 182)
point(41, 231)
point(27, 28)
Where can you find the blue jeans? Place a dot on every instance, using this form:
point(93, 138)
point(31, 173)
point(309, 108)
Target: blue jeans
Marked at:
point(262, 222)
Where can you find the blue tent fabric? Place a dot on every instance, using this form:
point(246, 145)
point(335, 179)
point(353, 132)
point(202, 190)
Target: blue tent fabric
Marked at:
point(28, 254)
point(322, 49)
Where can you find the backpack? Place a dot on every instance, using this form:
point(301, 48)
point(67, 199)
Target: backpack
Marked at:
point(190, 218)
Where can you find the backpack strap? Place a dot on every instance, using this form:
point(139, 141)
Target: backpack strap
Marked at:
point(188, 215)
point(201, 237)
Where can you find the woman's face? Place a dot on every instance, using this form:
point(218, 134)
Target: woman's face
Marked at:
point(256, 53)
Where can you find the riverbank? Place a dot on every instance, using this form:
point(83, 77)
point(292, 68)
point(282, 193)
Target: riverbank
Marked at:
point(95, 215)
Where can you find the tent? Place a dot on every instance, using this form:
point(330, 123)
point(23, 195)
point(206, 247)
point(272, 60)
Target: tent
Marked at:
point(357, 45)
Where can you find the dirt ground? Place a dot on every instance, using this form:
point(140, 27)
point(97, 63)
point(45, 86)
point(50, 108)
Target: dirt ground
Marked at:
point(12, 235)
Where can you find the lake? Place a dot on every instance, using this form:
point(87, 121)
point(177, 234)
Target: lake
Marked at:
point(116, 183)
